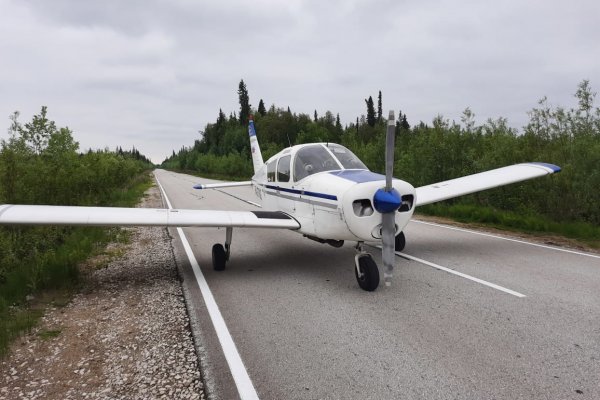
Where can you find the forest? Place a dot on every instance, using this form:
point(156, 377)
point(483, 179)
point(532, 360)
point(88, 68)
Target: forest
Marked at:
point(567, 203)
point(40, 163)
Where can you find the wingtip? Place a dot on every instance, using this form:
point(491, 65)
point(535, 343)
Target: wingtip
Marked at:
point(555, 168)
point(198, 186)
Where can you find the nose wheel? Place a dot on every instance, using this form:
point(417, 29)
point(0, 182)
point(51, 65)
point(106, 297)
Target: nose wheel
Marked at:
point(366, 271)
point(400, 242)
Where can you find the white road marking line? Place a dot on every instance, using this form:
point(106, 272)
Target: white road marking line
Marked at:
point(509, 239)
point(472, 278)
point(240, 375)
point(462, 275)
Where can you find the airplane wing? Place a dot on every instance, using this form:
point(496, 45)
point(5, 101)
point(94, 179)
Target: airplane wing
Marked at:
point(482, 181)
point(114, 216)
point(221, 185)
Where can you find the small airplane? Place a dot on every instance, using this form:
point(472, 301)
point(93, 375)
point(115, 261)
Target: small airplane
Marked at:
point(320, 190)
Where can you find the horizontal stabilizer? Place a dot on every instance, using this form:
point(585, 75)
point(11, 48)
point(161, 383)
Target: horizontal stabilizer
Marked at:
point(482, 181)
point(221, 185)
point(113, 216)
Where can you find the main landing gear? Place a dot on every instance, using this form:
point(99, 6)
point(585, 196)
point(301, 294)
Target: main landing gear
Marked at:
point(220, 254)
point(366, 271)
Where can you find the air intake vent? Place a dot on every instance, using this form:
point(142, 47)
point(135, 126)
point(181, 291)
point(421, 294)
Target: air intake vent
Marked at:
point(362, 208)
point(407, 203)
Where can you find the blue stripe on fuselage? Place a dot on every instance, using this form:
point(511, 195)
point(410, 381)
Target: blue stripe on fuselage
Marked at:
point(359, 176)
point(303, 192)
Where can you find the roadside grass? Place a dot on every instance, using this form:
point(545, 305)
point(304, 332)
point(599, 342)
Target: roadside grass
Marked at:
point(50, 274)
point(585, 233)
point(45, 335)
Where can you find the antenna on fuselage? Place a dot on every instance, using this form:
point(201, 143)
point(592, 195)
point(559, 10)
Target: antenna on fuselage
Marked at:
point(289, 141)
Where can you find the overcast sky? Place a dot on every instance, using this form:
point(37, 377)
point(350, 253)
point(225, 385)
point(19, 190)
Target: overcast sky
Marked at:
point(152, 73)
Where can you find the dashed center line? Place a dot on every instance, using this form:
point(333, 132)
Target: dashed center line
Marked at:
point(469, 277)
point(457, 273)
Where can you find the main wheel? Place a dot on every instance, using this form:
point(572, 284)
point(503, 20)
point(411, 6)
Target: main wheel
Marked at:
point(219, 257)
point(369, 273)
point(400, 241)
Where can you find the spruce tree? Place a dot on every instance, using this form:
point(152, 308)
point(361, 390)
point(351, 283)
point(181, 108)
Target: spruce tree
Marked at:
point(370, 111)
point(244, 103)
point(261, 108)
point(379, 108)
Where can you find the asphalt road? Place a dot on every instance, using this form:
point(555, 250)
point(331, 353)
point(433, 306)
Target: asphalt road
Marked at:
point(304, 329)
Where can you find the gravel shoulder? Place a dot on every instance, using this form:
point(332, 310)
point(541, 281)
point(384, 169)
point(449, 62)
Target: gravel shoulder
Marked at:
point(126, 335)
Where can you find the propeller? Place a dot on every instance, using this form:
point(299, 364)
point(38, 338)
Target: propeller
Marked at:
point(387, 201)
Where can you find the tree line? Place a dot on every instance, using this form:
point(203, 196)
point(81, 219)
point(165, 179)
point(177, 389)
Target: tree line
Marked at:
point(40, 163)
point(431, 152)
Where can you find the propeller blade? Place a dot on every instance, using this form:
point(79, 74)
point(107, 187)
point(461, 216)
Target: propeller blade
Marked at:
point(388, 246)
point(388, 228)
point(389, 151)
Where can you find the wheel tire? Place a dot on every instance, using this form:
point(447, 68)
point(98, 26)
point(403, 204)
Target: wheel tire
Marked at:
point(400, 242)
point(219, 257)
point(370, 273)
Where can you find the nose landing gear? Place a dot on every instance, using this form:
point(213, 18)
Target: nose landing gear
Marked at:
point(400, 242)
point(366, 271)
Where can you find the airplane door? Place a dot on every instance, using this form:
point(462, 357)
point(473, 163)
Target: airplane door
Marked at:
point(286, 195)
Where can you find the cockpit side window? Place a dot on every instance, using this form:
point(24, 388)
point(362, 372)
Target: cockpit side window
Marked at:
point(346, 157)
point(283, 169)
point(271, 171)
point(312, 159)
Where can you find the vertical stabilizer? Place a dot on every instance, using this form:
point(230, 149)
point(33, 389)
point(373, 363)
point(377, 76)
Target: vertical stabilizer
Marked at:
point(257, 159)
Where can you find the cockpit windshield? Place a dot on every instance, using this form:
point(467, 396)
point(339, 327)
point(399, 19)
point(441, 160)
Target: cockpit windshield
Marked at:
point(312, 159)
point(315, 158)
point(346, 157)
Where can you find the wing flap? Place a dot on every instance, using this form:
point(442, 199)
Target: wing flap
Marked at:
point(114, 216)
point(482, 181)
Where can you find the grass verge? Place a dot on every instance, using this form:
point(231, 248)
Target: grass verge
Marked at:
point(41, 266)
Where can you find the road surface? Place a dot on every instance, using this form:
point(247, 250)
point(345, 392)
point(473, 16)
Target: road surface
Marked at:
point(521, 321)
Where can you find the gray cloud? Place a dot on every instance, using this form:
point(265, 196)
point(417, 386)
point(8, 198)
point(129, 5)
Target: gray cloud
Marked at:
point(153, 73)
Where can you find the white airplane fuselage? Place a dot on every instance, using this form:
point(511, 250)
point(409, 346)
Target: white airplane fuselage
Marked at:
point(336, 203)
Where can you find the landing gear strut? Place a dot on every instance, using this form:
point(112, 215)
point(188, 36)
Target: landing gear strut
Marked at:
point(366, 271)
point(220, 254)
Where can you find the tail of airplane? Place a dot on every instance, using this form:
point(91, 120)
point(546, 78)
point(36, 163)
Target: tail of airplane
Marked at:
point(257, 159)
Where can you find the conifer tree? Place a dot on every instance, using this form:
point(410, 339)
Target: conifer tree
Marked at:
point(244, 103)
point(221, 118)
point(316, 116)
point(379, 108)
point(261, 108)
point(370, 111)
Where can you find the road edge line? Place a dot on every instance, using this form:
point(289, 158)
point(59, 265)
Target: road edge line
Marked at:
point(238, 371)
